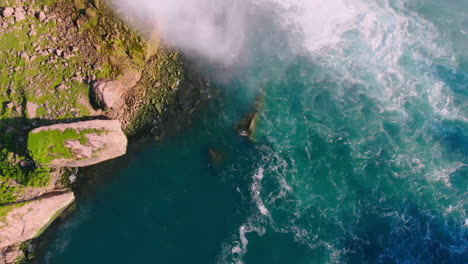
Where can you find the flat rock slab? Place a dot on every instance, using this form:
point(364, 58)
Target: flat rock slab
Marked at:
point(26, 222)
point(77, 144)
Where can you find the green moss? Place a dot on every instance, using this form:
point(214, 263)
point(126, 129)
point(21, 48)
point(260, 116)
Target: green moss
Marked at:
point(110, 46)
point(22, 80)
point(8, 193)
point(80, 5)
point(46, 2)
point(106, 71)
point(119, 45)
point(13, 178)
point(48, 145)
point(162, 73)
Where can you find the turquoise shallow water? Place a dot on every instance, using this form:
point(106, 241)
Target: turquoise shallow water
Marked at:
point(360, 154)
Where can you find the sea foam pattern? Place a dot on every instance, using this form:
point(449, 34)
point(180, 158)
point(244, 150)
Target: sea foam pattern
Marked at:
point(369, 137)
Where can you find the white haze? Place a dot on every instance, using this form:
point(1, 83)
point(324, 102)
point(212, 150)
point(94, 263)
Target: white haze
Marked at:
point(222, 31)
point(209, 28)
point(355, 38)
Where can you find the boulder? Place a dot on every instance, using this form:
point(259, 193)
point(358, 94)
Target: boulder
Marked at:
point(246, 126)
point(31, 12)
point(110, 92)
point(81, 21)
point(41, 16)
point(32, 109)
point(19, 14)
point(77, 144)
point(91, 12)
point(59, 52)
point(7, 12)
point(24, 56)
point(32, 32)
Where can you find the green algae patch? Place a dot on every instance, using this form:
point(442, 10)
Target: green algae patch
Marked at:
point(48, 145)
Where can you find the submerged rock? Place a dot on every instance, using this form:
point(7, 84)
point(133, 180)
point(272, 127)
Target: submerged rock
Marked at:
point(77, 144)
point(216, 156)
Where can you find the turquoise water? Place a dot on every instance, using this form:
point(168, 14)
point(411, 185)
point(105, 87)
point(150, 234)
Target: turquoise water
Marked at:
point(360, 153)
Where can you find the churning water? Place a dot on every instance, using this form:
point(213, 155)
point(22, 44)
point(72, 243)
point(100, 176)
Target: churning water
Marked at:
point(360, 153)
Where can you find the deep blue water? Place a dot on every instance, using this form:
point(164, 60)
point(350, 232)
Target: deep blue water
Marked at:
point(360, 153)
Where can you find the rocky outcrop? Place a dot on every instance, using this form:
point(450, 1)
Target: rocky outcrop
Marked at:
point(77, 144)
point(246, 127)
point(26, 222)
point(10, 254)
point(7, 11)
point(216, 156)
point(69, 45)
point(110, 93)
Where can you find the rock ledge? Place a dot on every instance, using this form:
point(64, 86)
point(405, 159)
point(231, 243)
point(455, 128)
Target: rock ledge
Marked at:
point(77, 144)
point(26, 221)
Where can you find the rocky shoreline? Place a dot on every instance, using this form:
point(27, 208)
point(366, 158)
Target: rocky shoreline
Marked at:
point(75, 83)
point(27, 221)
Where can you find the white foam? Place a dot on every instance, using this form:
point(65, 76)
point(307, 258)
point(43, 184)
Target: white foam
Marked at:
point(356, 38)
point(72, 178)
point(233, 253)
point(320, 22)
point(443, 174)
point(256, 189)
point(359, 38)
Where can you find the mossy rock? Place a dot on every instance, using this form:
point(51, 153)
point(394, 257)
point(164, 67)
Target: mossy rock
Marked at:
point(77, 144)
point(49, 145)
point(80, 4)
